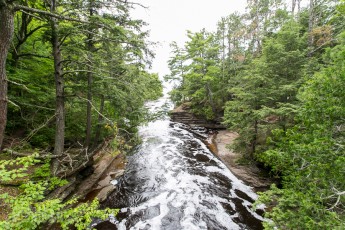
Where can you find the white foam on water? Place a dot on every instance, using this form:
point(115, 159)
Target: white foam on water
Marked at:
point(169, 171)
point(114, 182)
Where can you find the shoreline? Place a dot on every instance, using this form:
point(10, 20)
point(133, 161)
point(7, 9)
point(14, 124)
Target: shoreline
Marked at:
point(110, 168)
point(250, 174)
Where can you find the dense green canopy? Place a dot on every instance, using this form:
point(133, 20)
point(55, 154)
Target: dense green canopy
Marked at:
point(275, 75)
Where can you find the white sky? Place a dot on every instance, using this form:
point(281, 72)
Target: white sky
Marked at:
point(170, 19)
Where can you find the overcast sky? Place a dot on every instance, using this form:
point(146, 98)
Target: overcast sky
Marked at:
point(170, 19)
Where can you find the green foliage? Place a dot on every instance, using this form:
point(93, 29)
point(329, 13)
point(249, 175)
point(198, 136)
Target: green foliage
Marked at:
point(280, 79)
point(30, 209)
point(198, 78)
point(267, 89)
point(310, 156)
point(43, 171)
point(17, 168)
point(297, 210)
point(116, 55)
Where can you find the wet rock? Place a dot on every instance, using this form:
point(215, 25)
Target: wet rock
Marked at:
point(202, 158)
point(152, 212)
point(182, 114)
point(104, 192)
point(99, 184)
point(106, 225)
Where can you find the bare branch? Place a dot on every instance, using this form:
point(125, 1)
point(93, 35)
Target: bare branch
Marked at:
point(14, 104)
point(99, 113)
point(33, 31)
point(33, 132)
point(339, 194)
point(16, 83)
point(18, 154)
point(321, 46)
point(33, 55)
point(77, 71)
point(37, 106)
point(26, 9)
point(132, 3)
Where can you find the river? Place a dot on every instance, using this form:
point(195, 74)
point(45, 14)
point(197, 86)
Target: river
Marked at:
point(172, 181)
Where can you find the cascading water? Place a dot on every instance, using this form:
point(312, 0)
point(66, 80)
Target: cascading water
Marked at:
point(173, 181)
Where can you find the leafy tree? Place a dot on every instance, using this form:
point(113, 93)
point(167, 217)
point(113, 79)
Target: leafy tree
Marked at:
point(260, 16)
point(265, 93)
point(310, 155)
point(178, 69)
point(199, 82)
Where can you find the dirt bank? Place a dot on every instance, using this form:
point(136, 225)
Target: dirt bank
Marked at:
point(249, 174)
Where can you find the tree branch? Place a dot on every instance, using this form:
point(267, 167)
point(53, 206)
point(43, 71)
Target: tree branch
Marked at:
point(132, 3)
point(320, 46)
point(15, 83)
point(77, 71)
point(18, 154)
point(26, 9)
point(33, 55)
point(33, 132)
point(43, 12)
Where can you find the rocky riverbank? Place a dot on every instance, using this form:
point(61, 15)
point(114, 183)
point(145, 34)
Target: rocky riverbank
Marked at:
point(103, 180)
point(218, 143)
point(249, 173)
point(183, 115)
point(108, 167)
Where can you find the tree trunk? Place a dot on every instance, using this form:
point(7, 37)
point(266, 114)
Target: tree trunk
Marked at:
point(293, 7)
point(90, 48)
point(6, 34)
point(310, 25)
point(210, 96)
point(59, 86)
point(100, 120)
point(298, 6)
point(89, 108)
point(254, 140)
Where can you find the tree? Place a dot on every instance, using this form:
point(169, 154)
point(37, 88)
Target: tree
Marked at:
point(178, 69)
point(91, 48)
point(293, 6)
point(267, 90)
point(310, 155)
point(203, 71)
point(60, 89)
point(260, 14)
point(8, 9)
point(6, 31)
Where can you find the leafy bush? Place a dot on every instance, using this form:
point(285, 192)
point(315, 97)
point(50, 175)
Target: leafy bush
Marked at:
point(30, 209)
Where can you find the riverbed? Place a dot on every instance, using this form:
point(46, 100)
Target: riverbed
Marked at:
point(173, 181)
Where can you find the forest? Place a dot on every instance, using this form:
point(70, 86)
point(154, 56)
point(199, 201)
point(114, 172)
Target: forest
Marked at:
point(73, 79)
point(276, 75)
